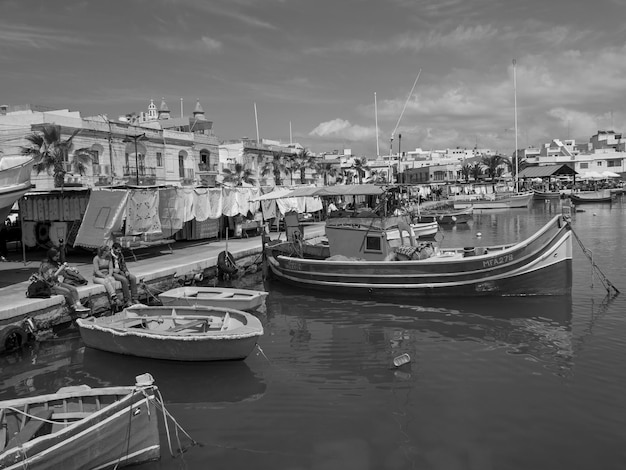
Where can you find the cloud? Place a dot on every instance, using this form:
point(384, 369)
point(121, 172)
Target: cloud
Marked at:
point(27, 37)
point(204, 44)
point(340, 129)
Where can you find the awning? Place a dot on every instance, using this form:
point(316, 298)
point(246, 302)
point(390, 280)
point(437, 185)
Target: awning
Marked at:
point(546, 171)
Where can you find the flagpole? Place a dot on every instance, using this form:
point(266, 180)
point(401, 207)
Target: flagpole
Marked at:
point(256, 120)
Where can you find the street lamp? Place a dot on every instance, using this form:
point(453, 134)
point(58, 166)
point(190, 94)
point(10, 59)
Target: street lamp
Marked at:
point(135, 138)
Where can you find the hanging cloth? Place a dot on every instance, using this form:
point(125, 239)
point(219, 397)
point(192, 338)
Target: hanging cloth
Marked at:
point(143, 212)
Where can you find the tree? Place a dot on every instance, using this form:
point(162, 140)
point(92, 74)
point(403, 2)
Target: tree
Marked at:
point(51, 153)
point(326, 170)
point(304, 161)
point(276, 166)
point(239, 176)
point(466, 171)
point(476, 170)
point(360, 165)
point(494, 165)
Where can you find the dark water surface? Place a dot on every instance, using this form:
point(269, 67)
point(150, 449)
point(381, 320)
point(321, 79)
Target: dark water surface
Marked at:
point(506, 383)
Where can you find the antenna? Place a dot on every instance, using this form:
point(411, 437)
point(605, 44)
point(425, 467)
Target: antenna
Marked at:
point(290, 136)
point(256, 120)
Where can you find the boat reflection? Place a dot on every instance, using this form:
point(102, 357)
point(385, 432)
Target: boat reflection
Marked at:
point(536, 327)
point(179, 382)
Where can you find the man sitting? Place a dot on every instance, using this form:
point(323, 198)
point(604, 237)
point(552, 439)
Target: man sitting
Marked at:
point(122, 274)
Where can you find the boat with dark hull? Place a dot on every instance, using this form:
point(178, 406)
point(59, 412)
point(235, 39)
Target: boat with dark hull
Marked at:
point(585, 197)
point(447, 217)
point(360, 259)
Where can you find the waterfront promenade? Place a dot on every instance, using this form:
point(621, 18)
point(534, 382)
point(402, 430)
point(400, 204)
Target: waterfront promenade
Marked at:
point(185, 259)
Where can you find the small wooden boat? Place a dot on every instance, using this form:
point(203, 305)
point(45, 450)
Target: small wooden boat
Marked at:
point(448, 217)
point(583, 197)
point(81, 427)
point(425, 229)
point(174, 333)
point(495, 201)
point(14, 181)
point(542, 195)
point(239, 299)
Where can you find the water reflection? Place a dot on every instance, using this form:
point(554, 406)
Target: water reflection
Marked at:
point(538, 328)
point(57, 362)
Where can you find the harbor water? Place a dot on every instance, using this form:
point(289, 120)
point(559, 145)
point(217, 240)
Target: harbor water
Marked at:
point(492, 383)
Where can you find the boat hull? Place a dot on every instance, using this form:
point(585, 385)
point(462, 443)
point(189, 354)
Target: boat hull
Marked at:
point(151, 335)
point(518, 201)
point(591, 197)
point(448, 218)
point(124, 433)
point(540, 265)
point(239, 299)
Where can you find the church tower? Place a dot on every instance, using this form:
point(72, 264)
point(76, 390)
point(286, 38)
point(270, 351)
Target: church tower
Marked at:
point(164, 111)
point(198, 112)
point(152, 112)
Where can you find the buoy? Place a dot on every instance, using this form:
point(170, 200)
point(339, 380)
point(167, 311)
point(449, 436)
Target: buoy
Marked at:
point(12, 337)
point(478, 234)
point(401, 360)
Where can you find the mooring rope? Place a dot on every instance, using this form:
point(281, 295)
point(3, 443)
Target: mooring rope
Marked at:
point(608, 285)
point(159, 403)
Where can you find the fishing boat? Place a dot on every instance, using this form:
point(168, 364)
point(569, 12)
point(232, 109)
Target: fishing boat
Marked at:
point(364, 258)
point(81, 427)
point(175, 333)
point(239, 299)
point(447, 217)
point(582, 197)
point(14, 181)
point(542, 195)
point(494, 201)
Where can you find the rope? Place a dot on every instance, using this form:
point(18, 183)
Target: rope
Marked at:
point(608, 285)
point(166, 414)
point(17, 410)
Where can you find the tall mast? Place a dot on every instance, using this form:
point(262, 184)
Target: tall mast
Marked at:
point(256, 120)
point(376, 118)
point(516, 156)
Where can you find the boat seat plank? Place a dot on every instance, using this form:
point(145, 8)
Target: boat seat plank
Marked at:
point(184, 326)
point(30, 429)
point(71, 415)
point(211, 295)
point(3, 438)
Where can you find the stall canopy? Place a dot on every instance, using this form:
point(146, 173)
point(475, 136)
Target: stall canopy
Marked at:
point(547, 171)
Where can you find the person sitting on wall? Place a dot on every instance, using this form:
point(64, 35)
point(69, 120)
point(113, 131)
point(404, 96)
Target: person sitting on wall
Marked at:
point(52, 271)
point(122, 274)
point(103, 272)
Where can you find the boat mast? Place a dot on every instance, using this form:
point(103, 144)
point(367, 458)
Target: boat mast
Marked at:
point(515, 155)
point(376, 119)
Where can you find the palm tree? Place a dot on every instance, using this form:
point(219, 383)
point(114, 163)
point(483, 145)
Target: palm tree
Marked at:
point(493, 164)
point(276, 166)
point(466, 171)
point(476, 170)
point(51, 153)
point(360, 165)
point(326, 170)
point(303, 161)
point(239, 176)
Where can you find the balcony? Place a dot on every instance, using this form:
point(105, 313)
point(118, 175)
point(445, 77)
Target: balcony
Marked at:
point(147, 171)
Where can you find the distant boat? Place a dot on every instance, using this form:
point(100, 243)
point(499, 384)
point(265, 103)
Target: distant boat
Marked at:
point(447, 217)
point(547, 194)
point(582, 197)
point(494, 201)
point(239, 299)
point(81, 427)
point(14, 182)
point(174, 333)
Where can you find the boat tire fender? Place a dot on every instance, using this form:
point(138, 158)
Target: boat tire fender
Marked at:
point(12, 338)
point(42, 232)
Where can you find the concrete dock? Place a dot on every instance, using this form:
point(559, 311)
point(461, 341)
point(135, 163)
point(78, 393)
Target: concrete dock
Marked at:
point(156, 272)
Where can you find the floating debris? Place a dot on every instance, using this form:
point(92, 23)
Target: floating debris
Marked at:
point(401, 360)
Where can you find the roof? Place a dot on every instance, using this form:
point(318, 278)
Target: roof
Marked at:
point(546, 171)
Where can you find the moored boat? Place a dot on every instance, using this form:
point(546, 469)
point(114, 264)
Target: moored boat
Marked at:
point(239, 299)
point(582, 197)
point(364, 260)
point(14, 181)
point(448, 217)
point(81, 427)
point(425, 229)
point(495, 201)
point(175, 333)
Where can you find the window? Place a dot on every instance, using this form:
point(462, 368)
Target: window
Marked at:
point(373, 244)
point(159, 157)
point(126, 157)
point(95, 156)
point(612, 163)
point(584, 166)
point(598, 163)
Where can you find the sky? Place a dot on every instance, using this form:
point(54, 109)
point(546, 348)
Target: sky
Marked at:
point(331, 75)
